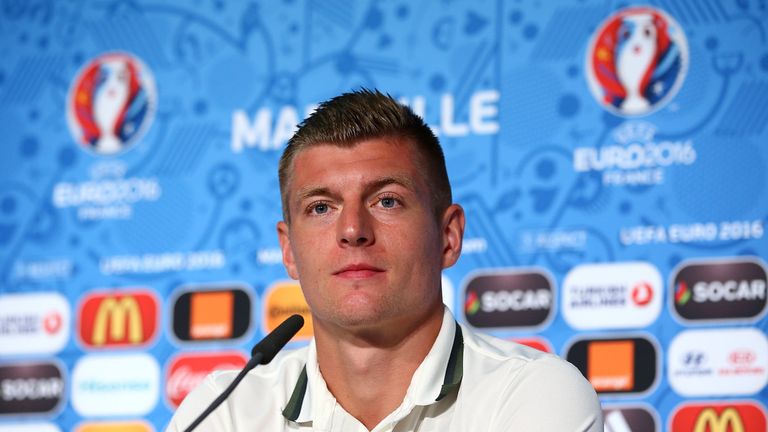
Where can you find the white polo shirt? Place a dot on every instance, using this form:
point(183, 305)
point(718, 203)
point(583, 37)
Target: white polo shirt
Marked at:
point(467, 382)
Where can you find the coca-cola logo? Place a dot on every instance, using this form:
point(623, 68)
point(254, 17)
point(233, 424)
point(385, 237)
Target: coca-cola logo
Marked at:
point(187, 371)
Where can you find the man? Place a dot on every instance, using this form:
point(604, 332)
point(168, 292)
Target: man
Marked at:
point(369, 226)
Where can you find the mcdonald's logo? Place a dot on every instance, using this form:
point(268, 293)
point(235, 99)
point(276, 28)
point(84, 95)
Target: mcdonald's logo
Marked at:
point(719, 417)
point(118, 318)
point(728, 419)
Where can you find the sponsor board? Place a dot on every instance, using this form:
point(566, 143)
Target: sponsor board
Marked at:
point(106, 385)
point(186, 371)
point(612, 295)
point(718, 416)
point(617, 366)
point(31, 388)
point(630, 418)
point(719, 290)
point(35, 323)
point(131, 426)
point(636, 61)
point(512, 298)
point(718, 362)
point(212, 312)
point(281, 300)
point(111, 103)
point(118, 319)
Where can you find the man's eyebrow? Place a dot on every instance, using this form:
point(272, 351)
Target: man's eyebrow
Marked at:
point(309, 192)
point(379, 183)
point(313, 191)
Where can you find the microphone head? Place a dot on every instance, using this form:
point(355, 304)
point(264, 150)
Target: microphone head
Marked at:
point(275, 341)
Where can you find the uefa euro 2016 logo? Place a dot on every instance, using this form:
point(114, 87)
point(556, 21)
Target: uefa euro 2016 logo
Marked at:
point(111, 103)
point(636, 61)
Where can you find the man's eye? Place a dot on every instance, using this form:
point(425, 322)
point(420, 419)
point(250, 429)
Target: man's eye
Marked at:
point(320, 208)
point(388, 202)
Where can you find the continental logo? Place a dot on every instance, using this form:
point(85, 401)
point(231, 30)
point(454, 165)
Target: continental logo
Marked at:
point(134, 426)
point(513, 298)
point(732, 289)
point(207, 313)
point(30, 388)
point(282, 300)
point(616, 366)
point(118, 319)
point(731, 416)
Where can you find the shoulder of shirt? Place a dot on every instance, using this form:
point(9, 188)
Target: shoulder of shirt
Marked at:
point(494, 349)
point(285, 367)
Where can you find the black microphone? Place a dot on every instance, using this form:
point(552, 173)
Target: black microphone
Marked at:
point(262, 353)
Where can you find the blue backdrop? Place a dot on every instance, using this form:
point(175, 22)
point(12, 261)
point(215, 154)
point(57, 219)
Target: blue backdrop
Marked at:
point(610, 158)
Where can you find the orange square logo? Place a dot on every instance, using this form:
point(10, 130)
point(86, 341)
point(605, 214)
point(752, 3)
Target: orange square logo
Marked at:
point(611, 365)
point(211, 314)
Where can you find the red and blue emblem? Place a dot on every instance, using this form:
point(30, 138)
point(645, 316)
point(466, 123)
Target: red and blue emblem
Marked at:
point(636, 61)
point(111, 103)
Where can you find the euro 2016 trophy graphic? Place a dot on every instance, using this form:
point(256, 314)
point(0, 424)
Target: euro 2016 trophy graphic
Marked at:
point(111, 103)
point(636, 61)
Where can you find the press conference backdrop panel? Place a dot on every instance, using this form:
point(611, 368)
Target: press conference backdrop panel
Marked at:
point(610, 157)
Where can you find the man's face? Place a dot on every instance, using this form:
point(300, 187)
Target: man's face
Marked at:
point(363, 238)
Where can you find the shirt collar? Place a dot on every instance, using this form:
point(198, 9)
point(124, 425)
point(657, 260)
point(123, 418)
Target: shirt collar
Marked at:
point(438, 375)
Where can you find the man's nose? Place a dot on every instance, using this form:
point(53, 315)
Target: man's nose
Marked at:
point(354, 226)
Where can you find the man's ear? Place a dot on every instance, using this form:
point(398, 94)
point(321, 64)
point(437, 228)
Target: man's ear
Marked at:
point(283, 235)
point(453, 234)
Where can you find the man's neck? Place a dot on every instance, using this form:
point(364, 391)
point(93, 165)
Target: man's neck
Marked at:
point(368, 372)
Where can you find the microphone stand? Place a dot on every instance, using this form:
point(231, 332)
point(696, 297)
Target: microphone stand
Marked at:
point(252, 363)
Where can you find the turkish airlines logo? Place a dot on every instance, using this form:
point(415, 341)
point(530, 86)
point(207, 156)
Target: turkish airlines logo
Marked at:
point(205, 313)
point(616, 366)
point(282, 300)
point(115, 385)
point(718, 362)
point(37, 323)
point(187, 371)
point(510, 298)
point(612, 295)
point(731, 416)
point(118, 319)
point(632, 418)
point(720, 290)
point(36, 388)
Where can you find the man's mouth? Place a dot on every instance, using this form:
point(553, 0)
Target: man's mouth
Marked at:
point(358, 271)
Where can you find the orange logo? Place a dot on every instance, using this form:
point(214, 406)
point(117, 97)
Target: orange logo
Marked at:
point(211, 315)
point(114, 427)
point(611, 365)
point(719, 417)
point(118, 318)
point(282, 300)
point(212, 312)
